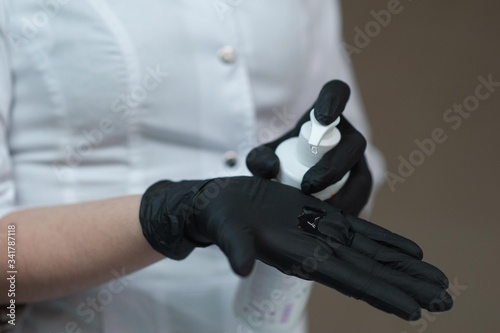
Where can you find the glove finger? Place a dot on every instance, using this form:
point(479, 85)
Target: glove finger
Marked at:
point(238, 246)
point(399, 261)
point(429, 291)
point(354, 282)
point(263, 162)
point(336, 162)
point(308, 257)
point(430, 296)
point(384, 236)
point(331, 101)
point(354, 195)
point(335, 224)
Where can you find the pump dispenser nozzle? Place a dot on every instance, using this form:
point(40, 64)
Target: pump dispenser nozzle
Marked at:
point(326, 113)
point(319, 132)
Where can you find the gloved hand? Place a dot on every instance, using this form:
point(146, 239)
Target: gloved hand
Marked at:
point(348, 155)
point(253, 218)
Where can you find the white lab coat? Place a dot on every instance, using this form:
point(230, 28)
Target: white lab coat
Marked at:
point(101, 98)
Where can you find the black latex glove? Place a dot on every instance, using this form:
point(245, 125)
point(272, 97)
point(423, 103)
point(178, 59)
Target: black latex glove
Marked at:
point(348, 155)
point(254, 218)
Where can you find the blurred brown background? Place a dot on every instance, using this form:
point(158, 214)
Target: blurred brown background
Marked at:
point(426, 59)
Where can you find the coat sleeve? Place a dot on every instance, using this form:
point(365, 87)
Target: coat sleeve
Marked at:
point(7, 183)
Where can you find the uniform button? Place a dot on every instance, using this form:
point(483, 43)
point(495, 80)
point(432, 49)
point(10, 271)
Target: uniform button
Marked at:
point(227, 54)
point(230, 158)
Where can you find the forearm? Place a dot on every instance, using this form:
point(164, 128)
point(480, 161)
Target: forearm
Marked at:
point(65, 249)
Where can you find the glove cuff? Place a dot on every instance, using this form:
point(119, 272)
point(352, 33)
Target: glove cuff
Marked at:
point(165, 212)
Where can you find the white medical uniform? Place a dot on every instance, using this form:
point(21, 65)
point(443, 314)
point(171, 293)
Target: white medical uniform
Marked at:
point(101, 98)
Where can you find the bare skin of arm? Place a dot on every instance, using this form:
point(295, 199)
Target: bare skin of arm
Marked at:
point(61, 250)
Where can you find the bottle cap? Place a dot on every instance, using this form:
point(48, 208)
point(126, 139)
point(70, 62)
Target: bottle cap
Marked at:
point(319, 132)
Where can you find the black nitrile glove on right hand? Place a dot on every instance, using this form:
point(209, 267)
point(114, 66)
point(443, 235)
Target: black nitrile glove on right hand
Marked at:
point(253, 218)
point(347, 156)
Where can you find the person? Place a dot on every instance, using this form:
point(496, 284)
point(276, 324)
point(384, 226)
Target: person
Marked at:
point(100, 100)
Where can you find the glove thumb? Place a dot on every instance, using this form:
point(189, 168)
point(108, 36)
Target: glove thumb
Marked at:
point(263, 162)
point(237, 244)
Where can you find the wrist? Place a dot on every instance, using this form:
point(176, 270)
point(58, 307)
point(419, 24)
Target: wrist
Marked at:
point(166, 216)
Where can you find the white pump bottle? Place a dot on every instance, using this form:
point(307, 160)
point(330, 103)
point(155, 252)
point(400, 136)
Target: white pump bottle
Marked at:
point(268, 300)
